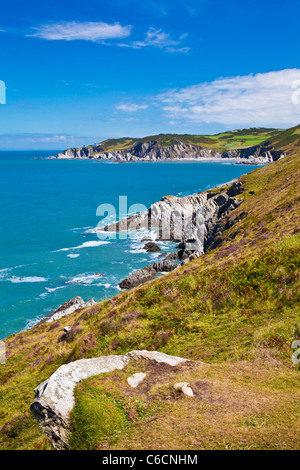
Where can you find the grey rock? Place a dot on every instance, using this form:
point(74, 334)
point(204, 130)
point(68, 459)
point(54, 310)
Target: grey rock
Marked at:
point(196, 221)
point(54, 398)
point(138, 277)
point(155, 151)
point(164, 266)
point(151, 247)
point(146, 274)
point(77, 303)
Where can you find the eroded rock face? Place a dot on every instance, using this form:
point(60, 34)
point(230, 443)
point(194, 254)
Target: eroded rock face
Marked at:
point(138, 277)
point(147, 273)
point(55, 396)
point(196, 221)
point(151, 247)
point(154, 151)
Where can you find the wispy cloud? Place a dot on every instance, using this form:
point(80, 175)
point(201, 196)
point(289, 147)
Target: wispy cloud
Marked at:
point(159, 39)
point(104, 32)
point(131, 107)
point(85, 31)
point(263, 99)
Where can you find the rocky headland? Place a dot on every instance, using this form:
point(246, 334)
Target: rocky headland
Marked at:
point(154, 150)
point(196, 222)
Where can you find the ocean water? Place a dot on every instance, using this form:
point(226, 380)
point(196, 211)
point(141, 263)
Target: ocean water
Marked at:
point(48, 251)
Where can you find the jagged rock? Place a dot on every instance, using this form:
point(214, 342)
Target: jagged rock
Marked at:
point(172, 257)
point(54, 398)
point(196, 221)
point(69, 307)
point(185, 388)
point(164, 266)
point(146, 274)
point(151, 247)
point(155, 151)
point(136, 379)
point(138, 277)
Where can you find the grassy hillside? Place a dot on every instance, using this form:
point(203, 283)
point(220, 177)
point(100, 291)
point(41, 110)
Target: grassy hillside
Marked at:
point(288, 140)
point(224, 141)
point(236, 308)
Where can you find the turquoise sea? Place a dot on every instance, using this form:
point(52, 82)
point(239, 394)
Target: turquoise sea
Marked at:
point(48, 253)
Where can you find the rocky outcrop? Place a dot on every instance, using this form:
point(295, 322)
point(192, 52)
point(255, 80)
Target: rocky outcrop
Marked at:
point(147, 274)
point(257, 154)
point(195, 221)
point(155, 151)
point(77, 303)
point(54, 398)
point(151, 247)
point(138, 277)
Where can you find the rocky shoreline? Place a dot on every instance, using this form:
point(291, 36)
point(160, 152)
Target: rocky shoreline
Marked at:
point(196, 222)
point(164, 218)
point(154, 151)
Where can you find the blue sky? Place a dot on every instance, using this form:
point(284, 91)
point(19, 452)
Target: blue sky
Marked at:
point(77, 72)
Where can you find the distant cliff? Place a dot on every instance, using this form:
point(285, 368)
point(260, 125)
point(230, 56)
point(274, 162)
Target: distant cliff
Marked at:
point(154, 150)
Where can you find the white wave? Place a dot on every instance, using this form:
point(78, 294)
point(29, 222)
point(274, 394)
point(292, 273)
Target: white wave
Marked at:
point(31, 323)
point(17, 280)
point(75, 229)
point(90, 244)
point(53, 289)
point(73, 255)
point(136, 250)
point(83, 279)
point(4, 272)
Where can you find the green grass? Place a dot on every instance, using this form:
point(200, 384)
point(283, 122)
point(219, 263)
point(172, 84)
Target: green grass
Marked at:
point(97, 414)
point(219, 142)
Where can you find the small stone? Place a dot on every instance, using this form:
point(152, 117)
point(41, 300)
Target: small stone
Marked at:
point(136, 379)
point(184, 388)
point(67, 329)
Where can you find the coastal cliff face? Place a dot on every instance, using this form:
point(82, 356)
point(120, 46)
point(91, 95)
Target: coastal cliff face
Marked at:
point(196, 222)
point(155, 151)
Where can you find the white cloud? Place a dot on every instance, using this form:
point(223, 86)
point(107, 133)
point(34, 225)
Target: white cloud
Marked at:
point(131, 107)
point(101, 32)
point(159, 39)
point(85, 31)
point(264, 99)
